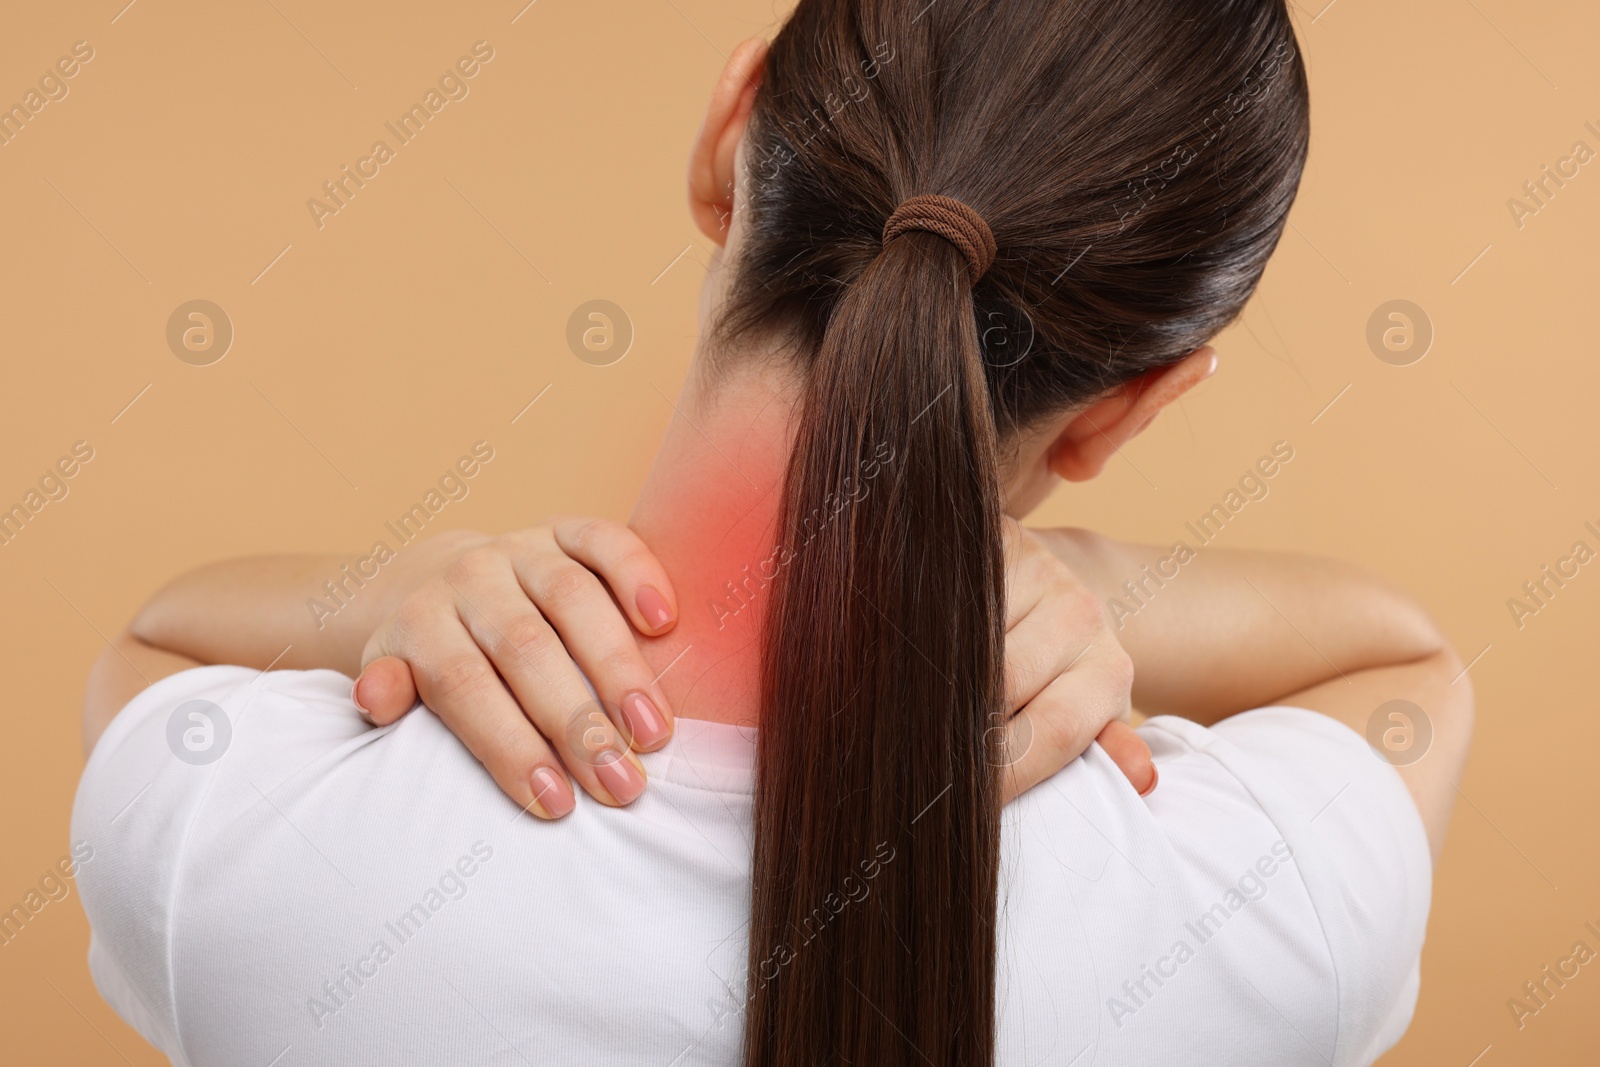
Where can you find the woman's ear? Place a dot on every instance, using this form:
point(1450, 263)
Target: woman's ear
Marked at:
point(1094, 435)
point(711, 161)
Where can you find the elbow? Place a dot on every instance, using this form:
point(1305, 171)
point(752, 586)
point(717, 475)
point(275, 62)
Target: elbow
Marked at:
point(104, 693)
point(1403, 629)
point(150, 622)
point(1460, 696)
point(1452, 711)
point(1451, 702)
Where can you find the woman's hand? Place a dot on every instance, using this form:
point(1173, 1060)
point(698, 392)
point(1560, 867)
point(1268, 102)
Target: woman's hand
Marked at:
point(1068, 680)
point(482, 644)
point(494, 643)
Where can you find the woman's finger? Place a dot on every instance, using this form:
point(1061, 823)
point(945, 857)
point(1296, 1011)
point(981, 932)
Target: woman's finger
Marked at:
point(1059, 724)
point(1027, 571)
point(1122, 743)
point(576, 604)
point(385, 690)
point(1063, 631)
point(1130, 753)
point(628, 567)
point(1052, 620)
point(527, 653)
point(458, 684)
point(1066, 676)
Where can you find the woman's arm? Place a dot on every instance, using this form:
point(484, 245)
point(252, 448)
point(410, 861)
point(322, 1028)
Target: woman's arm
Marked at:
point(1227, 630)
point(254, 612)
point(296, 612)
point(119, 673)
point(494, 630)
point(1230, 630)
point(1436, 714)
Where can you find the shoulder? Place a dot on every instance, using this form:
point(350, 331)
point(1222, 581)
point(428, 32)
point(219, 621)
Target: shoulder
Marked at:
point(1276, 882)
point(1356, 839)
point(172, 742)
point(1315, 778)
point(196, 741)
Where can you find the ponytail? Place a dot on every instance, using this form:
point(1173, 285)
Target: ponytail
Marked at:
point(872, 931)
point(872, 935)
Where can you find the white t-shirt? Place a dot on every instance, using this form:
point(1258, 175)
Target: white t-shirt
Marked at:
point(327, 892)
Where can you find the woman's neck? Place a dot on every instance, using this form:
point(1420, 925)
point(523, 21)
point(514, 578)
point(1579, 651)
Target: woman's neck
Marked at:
point(708, 510)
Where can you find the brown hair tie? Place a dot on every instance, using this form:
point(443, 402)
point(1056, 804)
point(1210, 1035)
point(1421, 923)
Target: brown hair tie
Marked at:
point(950, 219)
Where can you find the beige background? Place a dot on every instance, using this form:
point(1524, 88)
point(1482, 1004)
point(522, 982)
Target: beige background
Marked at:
point(432, 309)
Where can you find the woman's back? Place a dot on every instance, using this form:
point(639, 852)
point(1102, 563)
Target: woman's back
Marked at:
point(327, 892)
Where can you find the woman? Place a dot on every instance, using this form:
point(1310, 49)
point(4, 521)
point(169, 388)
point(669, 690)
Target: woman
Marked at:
point(970, 249)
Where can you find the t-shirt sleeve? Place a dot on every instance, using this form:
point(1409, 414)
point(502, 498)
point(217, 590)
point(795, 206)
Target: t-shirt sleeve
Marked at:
point(1357, 840)
point(166, 755)
point(134, 806)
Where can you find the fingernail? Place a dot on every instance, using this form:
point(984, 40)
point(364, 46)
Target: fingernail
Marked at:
point(647, 727)
point(355, 698)
point(653, 606)
point(1155, 776)
point(551, 792)
point(620, 777)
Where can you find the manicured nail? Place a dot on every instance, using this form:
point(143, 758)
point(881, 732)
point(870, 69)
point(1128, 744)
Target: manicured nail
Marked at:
point(620, 777)
point(1155, 776)
point(653, 606)
point(647, 727)
point(355, 698)
point(551, 792)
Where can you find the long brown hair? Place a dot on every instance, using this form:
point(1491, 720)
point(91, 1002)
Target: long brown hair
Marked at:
point(1136, 163)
